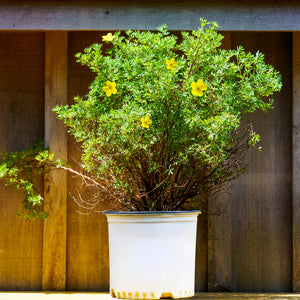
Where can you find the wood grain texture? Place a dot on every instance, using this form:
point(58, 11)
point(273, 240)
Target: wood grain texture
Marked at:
point(148, 15)
point(55, 189)
point(296, 162)
point(219, 231)
point(87, 243)
point(250, 225)
point(261, 206)
point(201, 268)
point(21, 123)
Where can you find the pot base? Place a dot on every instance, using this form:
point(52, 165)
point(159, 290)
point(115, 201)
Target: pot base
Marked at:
point(150, 295)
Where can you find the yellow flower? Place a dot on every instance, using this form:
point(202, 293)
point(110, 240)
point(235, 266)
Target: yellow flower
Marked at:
point(198, 87)
point(110, 88)
point(108, 38)
point(146, 122)
point(171, 64)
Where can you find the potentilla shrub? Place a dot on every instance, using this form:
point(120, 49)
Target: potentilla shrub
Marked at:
point(160, 128)
point(159, 124)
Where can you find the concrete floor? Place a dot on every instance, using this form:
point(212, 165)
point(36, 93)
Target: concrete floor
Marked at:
point(103, 296)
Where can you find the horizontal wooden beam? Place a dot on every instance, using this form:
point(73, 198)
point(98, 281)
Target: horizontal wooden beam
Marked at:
point(231, 15)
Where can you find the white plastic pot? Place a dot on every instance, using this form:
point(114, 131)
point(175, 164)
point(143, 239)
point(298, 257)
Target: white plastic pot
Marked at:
point(152, 254)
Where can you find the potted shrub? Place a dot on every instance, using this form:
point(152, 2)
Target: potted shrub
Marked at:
point(160, 131)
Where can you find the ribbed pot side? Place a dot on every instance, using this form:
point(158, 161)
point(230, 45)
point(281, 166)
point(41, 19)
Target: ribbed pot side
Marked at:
point(152, 254)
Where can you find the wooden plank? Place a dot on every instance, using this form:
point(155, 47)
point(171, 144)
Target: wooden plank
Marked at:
point(262, 197)
point(55, 189)
point(87, 242)
point(296, 161)
point(106, 296)
point(219, 231)
point(201, 268)
point(21, 50)
point(21, 123)
point(231, 15)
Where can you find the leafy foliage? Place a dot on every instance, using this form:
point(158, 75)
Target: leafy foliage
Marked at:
point(191, 93)
point(160, 128)
point(21, 170)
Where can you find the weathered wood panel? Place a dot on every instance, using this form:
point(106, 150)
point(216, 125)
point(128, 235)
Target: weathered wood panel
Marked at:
point(250, 241)
point(255, 15)
point(21, 123)
point(219, 231)
point(296, 162)
point(261, 207)
point(55, 190)
point(87, 243)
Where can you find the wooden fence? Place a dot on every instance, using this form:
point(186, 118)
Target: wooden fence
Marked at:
point(246, 242)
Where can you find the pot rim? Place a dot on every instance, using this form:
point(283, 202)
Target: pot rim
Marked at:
point(127, 213)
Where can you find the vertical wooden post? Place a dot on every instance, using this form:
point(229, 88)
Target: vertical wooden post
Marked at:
point(296, 161)
point(55, 187)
